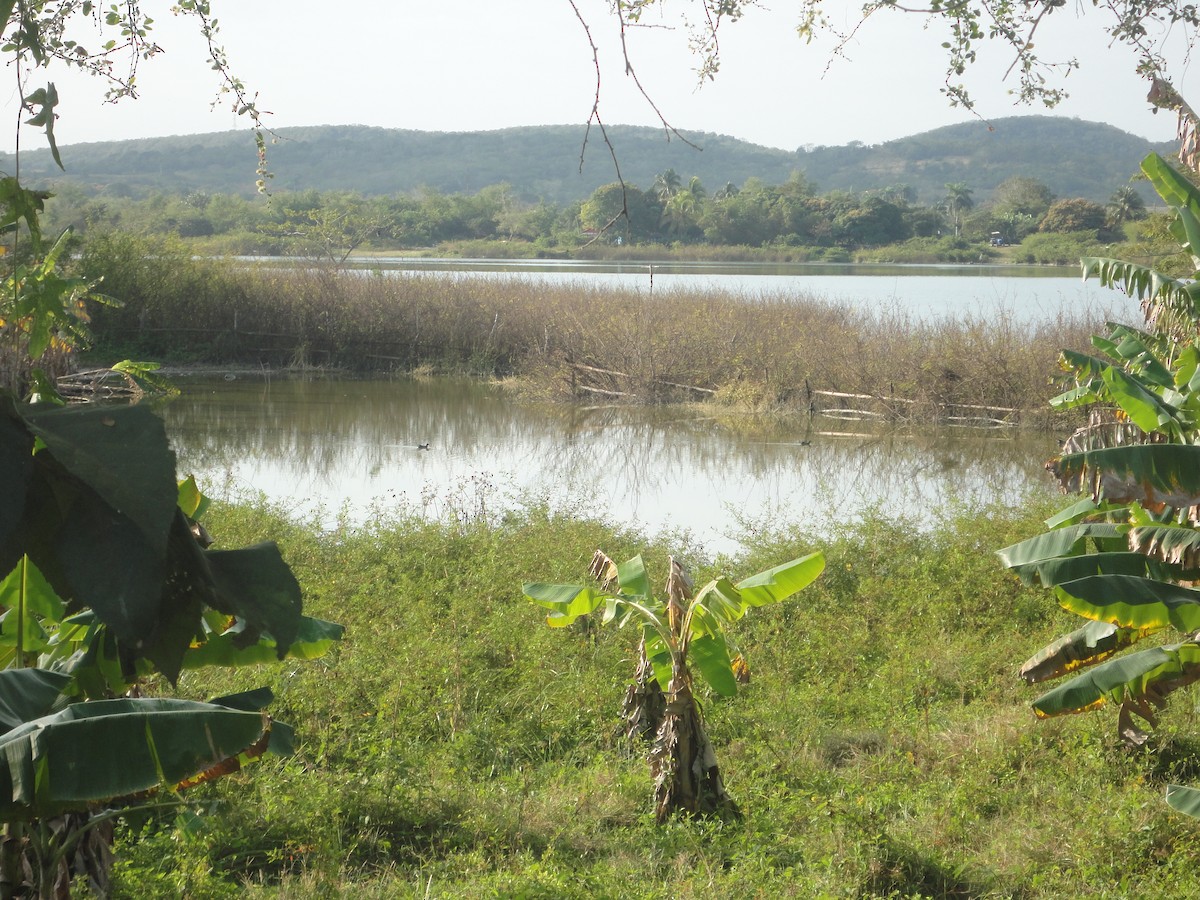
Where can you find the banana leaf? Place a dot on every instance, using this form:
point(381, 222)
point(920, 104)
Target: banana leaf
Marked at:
point(1175, 544)
point(709, 655)
point(1057, 543)
point(1148, 674)
point(133, 745)
point(1089, 645)
point(1051, 572)
point(314, 639)
point(777, 584)
point(566, 602)
point(1132, 602)
point(1150, 474)
point(1184, 799)
point(29, 694)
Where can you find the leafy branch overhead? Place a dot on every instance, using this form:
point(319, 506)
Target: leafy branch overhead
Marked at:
point(970, 28)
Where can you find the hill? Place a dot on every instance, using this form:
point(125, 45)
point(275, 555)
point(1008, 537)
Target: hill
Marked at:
point(1074, 158)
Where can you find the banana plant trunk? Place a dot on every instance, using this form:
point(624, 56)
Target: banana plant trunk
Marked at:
point(645, 703)
point(682, 760)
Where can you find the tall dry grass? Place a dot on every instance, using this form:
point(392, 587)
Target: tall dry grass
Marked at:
point(775, 349)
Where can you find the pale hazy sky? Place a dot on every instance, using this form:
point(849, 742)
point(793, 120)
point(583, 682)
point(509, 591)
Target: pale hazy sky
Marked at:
point(456, 65)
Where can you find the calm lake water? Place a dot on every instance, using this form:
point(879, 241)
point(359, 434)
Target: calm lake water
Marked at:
point(329, 447)
point(1028, 293)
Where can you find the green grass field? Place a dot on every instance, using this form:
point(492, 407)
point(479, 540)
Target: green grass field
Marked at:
point(455, 746)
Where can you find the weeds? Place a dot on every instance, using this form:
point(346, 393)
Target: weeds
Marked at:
point(454, 747)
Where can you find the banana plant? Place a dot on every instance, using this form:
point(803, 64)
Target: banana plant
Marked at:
point(681, 630)
point(111, 577)
point(1125, 555)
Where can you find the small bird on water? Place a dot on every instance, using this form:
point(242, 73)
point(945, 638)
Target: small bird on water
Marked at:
point(422, 446)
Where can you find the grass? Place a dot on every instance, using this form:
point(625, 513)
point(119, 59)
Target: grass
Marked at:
point(771, 351)
point(454, 746)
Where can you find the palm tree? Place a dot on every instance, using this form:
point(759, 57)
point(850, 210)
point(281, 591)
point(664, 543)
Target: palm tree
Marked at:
point(667, 184)
point(730, 190)
point(1126, 205)
point(958, 201)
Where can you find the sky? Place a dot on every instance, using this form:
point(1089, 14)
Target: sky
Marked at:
point(461, 65)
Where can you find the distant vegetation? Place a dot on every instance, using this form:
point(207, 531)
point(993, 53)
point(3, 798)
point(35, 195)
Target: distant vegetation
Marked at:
point(542, 164)
point(675, 215)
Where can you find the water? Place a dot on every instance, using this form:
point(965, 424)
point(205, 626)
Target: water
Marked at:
point(1027, 293)
point(337, 447)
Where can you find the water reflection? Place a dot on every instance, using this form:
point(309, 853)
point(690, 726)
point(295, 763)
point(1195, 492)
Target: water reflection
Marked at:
point(347, 445)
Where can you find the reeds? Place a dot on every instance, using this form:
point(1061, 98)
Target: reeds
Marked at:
point(773, 350)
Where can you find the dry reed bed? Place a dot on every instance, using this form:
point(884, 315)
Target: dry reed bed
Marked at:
point(770, 350)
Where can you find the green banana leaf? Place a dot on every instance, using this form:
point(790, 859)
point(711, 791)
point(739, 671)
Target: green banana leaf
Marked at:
point(1091, 644)
point(632, 577)
point(1170, 184)
point(133, 745)
point(1073, 514)
point(1060, 542)
point(1132, 602)
point(1052, 572)
point(1136, 676)
point(1145, 409)
point(1184, 799)
point(1148, 286)
point(709, 655)
point(566, 602)
point(1141, 349)
point(29, 694)
point(314, 639)
point(777, 584)
point(16, 465)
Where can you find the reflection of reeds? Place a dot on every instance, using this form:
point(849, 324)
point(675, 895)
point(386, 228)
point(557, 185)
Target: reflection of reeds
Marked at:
point(647, 464)
point(669, 344)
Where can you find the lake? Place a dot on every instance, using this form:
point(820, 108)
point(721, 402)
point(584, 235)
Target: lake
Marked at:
point(1027, 293)
point(324, 448)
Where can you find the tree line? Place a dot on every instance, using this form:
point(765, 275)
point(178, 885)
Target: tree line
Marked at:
point(672, 210)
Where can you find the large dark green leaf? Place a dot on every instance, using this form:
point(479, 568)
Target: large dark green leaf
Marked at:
point(1132, 602)
point(1145, 409)
point(133, 745)
point(1141, 350)
point(27, 694)
point(631, 575)
point(92, 538)
point(256, 585)
point(121, 453)
point(16, 465)
point(710, 657)
point(1069, 568)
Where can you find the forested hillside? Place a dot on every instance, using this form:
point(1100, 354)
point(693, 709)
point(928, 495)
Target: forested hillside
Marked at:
point(1073, 158)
